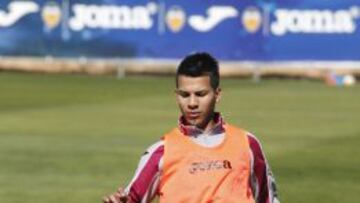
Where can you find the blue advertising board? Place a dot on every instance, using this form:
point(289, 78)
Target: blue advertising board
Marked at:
point(262, 30)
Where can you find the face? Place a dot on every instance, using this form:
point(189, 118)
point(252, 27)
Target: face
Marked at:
point(196, 99)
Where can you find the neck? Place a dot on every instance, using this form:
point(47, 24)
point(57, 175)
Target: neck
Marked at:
point(209, 127)
point(209, 124)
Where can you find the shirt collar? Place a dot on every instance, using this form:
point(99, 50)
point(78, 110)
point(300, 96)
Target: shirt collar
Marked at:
point(191, 130)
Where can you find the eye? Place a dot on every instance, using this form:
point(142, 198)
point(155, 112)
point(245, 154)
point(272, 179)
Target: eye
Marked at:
point(183, 94)
point(201, 93)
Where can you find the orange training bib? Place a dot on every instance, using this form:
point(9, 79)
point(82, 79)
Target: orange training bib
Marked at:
point(197, 174)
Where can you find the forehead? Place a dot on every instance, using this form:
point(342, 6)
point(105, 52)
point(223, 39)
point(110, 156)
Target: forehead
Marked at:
point(188, 83)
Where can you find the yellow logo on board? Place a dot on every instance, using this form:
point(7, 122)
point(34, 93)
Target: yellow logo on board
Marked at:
point(175, 18)
point(251, 19)
point(51, 15)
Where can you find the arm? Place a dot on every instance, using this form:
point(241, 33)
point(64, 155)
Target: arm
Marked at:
point(262, 180)
point(144, 185)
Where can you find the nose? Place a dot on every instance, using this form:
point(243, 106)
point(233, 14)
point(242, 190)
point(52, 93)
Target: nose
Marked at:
point(193, 102)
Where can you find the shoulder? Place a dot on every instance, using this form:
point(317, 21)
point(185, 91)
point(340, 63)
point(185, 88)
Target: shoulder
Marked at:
point(155, 148)
point(150, 161)
point(152, 156)
point(253, 141)
point(172, 132)
point(234, 129)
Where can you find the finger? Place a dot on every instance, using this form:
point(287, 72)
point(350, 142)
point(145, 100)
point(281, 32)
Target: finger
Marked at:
point(121, 197)
point(120, 190)
point(114, 199)
point(122, 194)
point(117, 195)
point(106, 200)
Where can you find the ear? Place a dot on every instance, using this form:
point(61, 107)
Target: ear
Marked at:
point(218, 94)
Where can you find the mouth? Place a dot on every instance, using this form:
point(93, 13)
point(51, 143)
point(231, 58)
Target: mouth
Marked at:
point(193, 115)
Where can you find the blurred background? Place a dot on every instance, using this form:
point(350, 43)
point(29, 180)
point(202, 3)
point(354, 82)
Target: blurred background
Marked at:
point(87, 86)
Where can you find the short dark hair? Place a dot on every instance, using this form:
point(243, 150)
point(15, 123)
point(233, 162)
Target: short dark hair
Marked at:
point(199, 64)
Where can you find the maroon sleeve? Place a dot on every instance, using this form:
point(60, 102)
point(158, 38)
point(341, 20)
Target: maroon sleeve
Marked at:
point(145, 181)
point(262, 180)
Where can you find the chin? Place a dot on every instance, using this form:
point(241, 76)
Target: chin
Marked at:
point(194, 123)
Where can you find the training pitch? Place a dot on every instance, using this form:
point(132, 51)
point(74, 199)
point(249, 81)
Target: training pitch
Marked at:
point(72, 138)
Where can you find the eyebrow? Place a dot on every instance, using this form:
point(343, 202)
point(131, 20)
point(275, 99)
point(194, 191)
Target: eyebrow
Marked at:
point(184, 91)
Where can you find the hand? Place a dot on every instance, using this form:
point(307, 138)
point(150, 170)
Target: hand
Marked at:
point(118, 197)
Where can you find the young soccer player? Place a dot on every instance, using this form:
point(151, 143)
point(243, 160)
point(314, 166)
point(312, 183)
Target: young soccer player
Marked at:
point(204, 159)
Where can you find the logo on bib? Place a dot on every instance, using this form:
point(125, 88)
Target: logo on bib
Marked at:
point(197, 167)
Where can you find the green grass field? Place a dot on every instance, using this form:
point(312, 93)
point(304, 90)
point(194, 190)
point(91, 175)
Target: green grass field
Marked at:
point(71, 138)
